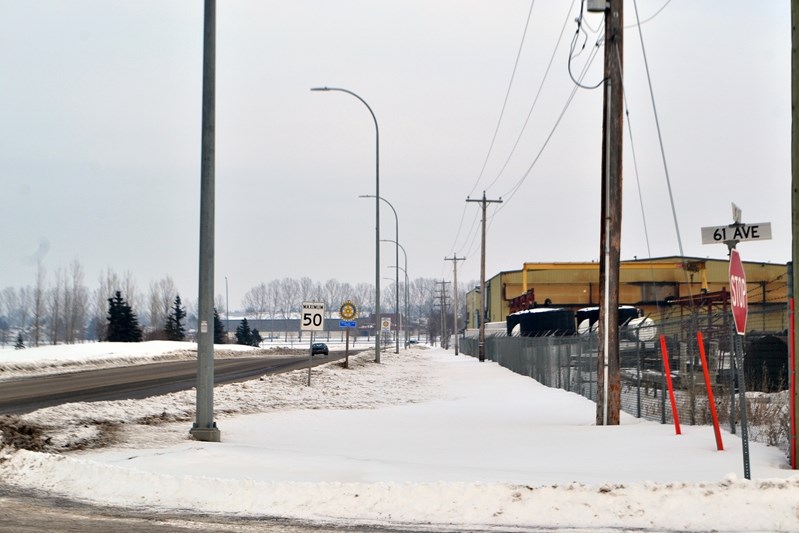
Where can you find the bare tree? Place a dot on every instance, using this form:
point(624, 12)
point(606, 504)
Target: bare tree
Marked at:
point(308, 290)
point(108, 284)
point(422, 296)
point(130, 290)
point(273, 296)
point(331, 292)
point(289, 300)
point(256, 301)
point(39, 296)
point(364, 296)
point(20, 303)
point(220, 304)
point(76, 305)
point(332, 296)
point(25, 306)
point(162, 294)
point(388, 299)
point(7, 297)
point(56, 300)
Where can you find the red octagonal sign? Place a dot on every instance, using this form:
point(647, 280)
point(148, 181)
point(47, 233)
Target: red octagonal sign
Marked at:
point(738, 299)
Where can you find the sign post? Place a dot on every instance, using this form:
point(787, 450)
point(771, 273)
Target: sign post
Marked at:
point(385, 327)
point(731, 235)
point(740, 307)
point(347, 314)
point(312, 319)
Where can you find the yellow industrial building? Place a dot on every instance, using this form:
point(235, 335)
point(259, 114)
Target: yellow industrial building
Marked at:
point(662, 288)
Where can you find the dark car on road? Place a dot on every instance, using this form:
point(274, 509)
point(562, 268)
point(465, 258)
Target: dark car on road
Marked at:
point(319, 348)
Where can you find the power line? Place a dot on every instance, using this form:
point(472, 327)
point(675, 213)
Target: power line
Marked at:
point(499, 122)
point(579, 22)
point(660, 135)
point(537, 95)
point(638, 183)
point(505, 102)
point(508, 196)
point(650, 18)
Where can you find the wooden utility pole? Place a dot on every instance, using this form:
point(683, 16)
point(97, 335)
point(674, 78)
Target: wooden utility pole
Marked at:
point(482, 341)
point(455, 260)
point(608, 368)
point(794, 449)
point(443, 297)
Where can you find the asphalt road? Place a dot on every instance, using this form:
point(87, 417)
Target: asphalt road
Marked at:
point(23, 395)
point(25, 512)
point(29, 512)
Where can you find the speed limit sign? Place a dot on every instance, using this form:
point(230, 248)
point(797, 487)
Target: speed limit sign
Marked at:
point(312, 316)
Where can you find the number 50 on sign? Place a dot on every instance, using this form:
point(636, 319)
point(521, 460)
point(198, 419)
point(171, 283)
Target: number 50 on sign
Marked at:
point(312, 316)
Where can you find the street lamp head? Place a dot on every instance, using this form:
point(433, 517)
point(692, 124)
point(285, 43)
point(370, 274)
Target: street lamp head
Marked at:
point(320, 88)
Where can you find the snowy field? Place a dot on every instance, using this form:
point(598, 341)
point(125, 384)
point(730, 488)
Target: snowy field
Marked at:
point(423, 441)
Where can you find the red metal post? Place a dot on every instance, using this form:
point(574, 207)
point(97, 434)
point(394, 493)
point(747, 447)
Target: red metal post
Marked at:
point(667, 371)
point(709, 387)
point(791, 337)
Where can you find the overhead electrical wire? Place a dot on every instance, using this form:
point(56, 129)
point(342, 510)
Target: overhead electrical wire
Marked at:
point(579, 21)
point(509, 195)
point(638, 186)
point(499, 122)
point(650, 18)
point(660, 135)
point(535, 100)
point(529, 114)
point(505, 101)
point(663, 154)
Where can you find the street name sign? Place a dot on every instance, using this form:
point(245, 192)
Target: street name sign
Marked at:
point(736, 232)
point(738, 297)
point(347, 324)
point(312, 316)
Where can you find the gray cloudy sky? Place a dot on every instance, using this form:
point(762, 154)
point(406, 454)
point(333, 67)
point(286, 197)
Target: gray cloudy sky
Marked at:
point(100, 136)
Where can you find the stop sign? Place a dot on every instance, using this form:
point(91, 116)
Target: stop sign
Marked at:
point(738, 299)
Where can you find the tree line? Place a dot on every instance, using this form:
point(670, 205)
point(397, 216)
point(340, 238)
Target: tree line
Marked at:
point(61, 308)
point(281, 300)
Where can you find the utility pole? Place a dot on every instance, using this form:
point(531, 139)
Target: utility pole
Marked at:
point(482, 341)
point(608, 368)
point(455, 260)
point(443, 297)
point(794, 448)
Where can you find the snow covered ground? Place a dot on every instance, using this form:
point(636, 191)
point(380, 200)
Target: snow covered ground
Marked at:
point(424, 441)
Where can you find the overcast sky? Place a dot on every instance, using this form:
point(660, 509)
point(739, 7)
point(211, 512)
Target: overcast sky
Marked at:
point(100, 136)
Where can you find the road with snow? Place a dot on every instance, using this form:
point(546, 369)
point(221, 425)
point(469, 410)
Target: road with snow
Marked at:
point(24, 395)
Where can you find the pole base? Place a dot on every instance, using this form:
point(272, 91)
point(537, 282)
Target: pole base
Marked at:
point(206, 434)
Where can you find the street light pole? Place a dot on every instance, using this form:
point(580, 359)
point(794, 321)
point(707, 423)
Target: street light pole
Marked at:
point(227, 310)
point(204, 428)
point(405, 270)
point(377, 214)
point(396, 257)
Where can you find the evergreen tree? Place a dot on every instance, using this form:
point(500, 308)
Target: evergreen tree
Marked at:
point(123, 326)
point(174, 328)
point(20, 345)
point(243, 333)
point(255, 339)
point(220, 335)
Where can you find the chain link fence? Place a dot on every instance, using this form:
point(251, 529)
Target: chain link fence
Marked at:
point(570, 363)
